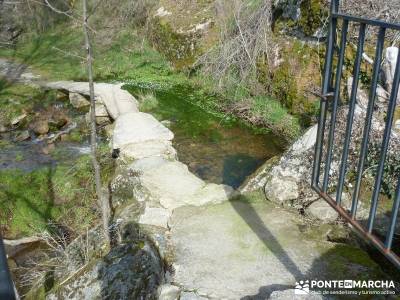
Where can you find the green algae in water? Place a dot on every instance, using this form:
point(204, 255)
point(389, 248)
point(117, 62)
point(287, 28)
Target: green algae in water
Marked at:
point(217, 149)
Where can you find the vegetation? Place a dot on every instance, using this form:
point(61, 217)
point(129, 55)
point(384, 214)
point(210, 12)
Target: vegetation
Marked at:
point(58, 54)
point(60, 194)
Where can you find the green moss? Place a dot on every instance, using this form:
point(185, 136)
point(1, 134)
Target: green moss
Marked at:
point(292, 80)
point(179, 48)
point(345, 259)
point(313, 12)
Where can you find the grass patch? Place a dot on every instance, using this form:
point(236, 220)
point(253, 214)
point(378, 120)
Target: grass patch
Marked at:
point(275, 116)
point(62, 194)
point(147, 102)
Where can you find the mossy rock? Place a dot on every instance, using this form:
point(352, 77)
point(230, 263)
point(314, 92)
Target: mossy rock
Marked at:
point(179, 48)
point(308, 21)
point(292, 80)
point(313, 13)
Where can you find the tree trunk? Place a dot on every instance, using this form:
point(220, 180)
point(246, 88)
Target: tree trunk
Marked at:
point(102, 200)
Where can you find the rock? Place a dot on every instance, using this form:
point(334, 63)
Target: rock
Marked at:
point(321, 210)
point(149, 148)
point(166, 123)
point(101, 110)
point(258, 179)
point(102, 117)
point(13, 247)
point(281, 189)
point(155, 216)
point(212, 193)
point(40, 127)
point(133, 128)
point(129, 271)
point(389, 68)
point(307, 141)
point(170, 182)
point(61, 96)
point(381, 94)
point(100, 120)
point(362, 96)
point(78, 101)
point(172, 185)
point(161, 12)
point(116, 100)
point(168, 292)
point(397, 124)
point(3, 128)
point(22, 136)
point(59, 119)
point(246, 250)
point(18, 119)
point(108, 129)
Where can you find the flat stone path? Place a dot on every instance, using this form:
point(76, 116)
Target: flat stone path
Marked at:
point(222, 249)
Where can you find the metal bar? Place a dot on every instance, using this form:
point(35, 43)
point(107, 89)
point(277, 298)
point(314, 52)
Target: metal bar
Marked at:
point(370, 237)
point(393, 219)
point(385, 144)
point(349, 125)
point(367, 21)
point(6, 284)
point(325, 88)
point(339, 70)
point(368, 118)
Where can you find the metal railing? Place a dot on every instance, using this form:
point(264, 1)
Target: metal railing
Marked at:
point(331, 86)
point(7, 291)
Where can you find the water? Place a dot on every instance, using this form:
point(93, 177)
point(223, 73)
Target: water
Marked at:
point(29, 156)
point(219, 150)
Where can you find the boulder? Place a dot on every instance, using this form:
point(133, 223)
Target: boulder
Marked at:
point(389, 68)
point(116, 100)
point(361, 97)
point(133, 128)
point(78, 101)
point(22, 136)
point(321, 210)
point(307, 141)
point(13, 247)
point(168, 292)
point(281, 189)
point(397, 125)
point(3, 128)
point(150, 148)
point(129, 271)
point(40, 127)
point(172, 185)
point(18, 119)
point(59, 119)
point(258, 179)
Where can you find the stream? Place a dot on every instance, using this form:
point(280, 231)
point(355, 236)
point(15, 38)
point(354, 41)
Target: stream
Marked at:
point(218, 150)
